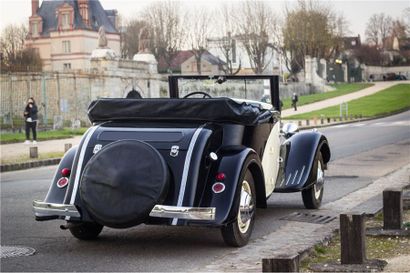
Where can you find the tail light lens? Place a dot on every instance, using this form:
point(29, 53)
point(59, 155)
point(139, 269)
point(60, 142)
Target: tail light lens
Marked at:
point(65, 172)
point(220, 176)
point(62, 182)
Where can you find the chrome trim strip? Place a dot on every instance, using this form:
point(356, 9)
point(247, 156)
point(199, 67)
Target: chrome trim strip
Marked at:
point(90, 132)
point(189, 213)
point(52, 209)
point(301, 174)
point(288, 179)
point(186, 170)
point(296, 174)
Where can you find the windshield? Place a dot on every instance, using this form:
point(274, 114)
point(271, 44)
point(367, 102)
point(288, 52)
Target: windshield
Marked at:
point(240, 89)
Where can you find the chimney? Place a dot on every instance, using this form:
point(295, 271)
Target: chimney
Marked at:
point(34, 7)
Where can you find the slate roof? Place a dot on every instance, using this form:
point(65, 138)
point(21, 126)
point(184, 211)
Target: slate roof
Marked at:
point(97, 14)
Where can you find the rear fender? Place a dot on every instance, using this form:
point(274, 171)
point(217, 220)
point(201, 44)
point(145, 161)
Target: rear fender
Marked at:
point(56, 194)
point(234, 164)
point(297, 158)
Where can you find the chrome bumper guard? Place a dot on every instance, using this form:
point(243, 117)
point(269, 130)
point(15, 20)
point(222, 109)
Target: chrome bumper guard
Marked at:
point(188, 213)
point(51, 209)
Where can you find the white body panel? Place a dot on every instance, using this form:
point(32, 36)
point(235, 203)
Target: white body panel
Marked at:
point(270, 160)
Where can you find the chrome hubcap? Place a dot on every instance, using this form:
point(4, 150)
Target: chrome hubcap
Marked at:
point(320, 180)
point(246, 208)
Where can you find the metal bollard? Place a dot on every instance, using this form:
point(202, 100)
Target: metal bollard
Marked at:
point(67, 147)
point(34, 152)
point(352, 239)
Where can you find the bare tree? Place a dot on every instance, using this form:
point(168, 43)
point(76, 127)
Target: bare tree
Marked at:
point(378, 29)
point(166, 22)
point(199, 32)
point(130, 37)
point(255, 21)
point(226, 43)
point(14, 55)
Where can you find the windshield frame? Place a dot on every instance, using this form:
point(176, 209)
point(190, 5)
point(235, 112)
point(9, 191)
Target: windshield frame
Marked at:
point(173, 81)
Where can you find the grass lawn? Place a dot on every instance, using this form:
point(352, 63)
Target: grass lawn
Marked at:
point(341, 89)
point(387, 101)
point(376, 247)
point(43, 135)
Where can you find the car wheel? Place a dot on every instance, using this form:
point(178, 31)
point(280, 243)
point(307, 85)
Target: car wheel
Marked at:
point(86, 231)
point(312, 197)
point(239, 231)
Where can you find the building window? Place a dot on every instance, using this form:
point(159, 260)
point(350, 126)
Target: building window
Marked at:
point(65, 20)
point(67, 66)
point(34, 28)
point(66, 46)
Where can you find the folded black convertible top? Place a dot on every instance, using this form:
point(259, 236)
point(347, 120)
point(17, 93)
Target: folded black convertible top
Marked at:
point(223, 110)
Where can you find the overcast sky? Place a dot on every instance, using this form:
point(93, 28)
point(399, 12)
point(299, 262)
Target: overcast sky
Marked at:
point(356, 12)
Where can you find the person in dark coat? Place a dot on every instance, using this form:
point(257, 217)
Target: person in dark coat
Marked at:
point(30, 115)
point(295, 101)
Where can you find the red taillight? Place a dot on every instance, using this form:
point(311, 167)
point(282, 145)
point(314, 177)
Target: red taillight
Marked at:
point(218, 187)
point(62, 182)
point(65, 172)
point(220, 177)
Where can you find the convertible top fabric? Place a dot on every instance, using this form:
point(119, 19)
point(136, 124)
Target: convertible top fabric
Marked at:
point(223, 110)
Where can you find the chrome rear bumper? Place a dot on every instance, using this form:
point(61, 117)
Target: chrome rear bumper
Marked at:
point(51, 209)
point(188, 213)
point(42, 209)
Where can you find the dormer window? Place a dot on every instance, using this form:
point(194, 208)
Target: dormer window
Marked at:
point(65, 17)
point(34, 29)
point(35, 26)
point(65, 20)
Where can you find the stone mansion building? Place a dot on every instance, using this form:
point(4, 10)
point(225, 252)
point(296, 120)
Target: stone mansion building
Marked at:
point(65, 32)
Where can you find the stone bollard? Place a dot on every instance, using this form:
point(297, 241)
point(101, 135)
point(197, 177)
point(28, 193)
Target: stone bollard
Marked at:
point(352, 239)
point(67, 147)
point(307, 122)
point(392, 209)
point(34, 152)
point(299, 123)
point(281, 264)
point(328, 120)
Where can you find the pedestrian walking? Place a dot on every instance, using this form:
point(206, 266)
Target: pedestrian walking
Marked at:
point(294, 101)
point(30, 115)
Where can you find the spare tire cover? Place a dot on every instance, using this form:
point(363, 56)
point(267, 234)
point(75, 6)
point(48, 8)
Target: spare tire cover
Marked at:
point(123, 182)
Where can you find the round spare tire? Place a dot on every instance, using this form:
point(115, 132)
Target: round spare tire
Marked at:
point(123, 182)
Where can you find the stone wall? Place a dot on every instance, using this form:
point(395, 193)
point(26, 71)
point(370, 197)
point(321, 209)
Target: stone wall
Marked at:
point(67, 95)
point(379, 71)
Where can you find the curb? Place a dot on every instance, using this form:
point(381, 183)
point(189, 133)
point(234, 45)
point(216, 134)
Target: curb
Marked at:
point(29, 165)
point(345, 122)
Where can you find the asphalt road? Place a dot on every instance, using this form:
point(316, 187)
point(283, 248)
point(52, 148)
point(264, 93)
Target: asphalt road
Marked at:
point(162, 248)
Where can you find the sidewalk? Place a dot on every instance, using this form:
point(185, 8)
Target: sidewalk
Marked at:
point(378, 86)
point(15, 150)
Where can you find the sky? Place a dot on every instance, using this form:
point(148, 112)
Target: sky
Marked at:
point(357, 13)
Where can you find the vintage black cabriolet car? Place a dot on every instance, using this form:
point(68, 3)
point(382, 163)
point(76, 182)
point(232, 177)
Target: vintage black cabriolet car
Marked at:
point(206, 160)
